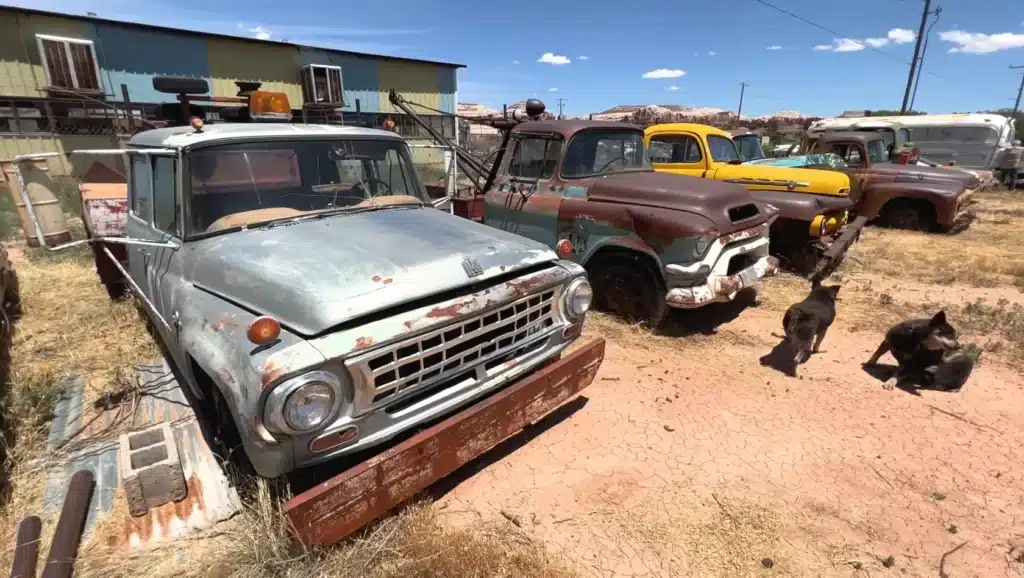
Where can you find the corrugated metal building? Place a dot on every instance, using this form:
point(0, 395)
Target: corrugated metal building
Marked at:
point(60, 73)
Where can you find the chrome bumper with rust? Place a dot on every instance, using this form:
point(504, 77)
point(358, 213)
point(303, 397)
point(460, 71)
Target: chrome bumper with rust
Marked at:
point(334, 509)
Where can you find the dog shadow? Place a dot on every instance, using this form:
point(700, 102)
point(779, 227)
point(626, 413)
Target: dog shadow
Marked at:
point(781, 359)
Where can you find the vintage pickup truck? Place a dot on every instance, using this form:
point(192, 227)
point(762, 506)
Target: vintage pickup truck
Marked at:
point(318, 305)
point(812, 204)
point(907, 195)
point(649, 241)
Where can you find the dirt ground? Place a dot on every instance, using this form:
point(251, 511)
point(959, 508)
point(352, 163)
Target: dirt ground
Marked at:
point(686, 457)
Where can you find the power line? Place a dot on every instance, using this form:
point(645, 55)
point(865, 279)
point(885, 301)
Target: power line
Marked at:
point(834, 33)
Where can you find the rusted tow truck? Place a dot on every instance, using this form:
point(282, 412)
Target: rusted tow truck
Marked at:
point(649, 241)
point(320, 308)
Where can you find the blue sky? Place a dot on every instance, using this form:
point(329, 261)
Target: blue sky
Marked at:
point(599, 51)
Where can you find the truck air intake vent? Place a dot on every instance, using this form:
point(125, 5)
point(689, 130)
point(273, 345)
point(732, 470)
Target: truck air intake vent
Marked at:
point(742, 212)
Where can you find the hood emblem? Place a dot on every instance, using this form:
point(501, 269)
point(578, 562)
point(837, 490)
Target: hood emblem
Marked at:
point(472, 267)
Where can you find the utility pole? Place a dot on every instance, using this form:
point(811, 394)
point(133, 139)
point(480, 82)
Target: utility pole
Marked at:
point(924, 51)
point(1020, 91)
point(917, 53)
point(743, 86)
point(561, 106)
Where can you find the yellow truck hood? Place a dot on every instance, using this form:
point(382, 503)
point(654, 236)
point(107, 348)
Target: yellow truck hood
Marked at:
point(769, 178)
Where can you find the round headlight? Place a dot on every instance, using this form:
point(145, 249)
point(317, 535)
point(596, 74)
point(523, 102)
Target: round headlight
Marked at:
point(578, 298)
point(309, 406)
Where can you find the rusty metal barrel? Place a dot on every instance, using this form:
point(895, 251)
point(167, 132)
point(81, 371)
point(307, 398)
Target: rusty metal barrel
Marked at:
point(49, 214)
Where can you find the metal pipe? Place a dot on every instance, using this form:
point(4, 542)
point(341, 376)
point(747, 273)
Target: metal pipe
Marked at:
point(138, 292)
point(26, 549)
point(70, 526)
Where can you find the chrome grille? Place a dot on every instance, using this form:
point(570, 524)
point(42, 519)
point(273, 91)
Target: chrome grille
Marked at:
point(413, 365)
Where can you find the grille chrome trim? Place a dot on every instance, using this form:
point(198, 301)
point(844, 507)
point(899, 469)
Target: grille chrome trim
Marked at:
point(397, 371)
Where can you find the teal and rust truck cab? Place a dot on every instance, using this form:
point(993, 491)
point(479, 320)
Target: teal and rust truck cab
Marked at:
point(649, 241)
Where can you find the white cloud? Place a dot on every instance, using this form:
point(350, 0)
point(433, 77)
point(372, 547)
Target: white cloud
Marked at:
point(664, 73)
point(776, 47)
point(841, 45)
point(901, 36)
point(515, 62)
point(554, 59)
point(258, 32)
point(894, 36)
point(672, 88)
point(552, 90)
point(711, 53)
point(978, 43)
point(583, 57)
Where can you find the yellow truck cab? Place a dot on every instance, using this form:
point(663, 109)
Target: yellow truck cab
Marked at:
point(812, 203)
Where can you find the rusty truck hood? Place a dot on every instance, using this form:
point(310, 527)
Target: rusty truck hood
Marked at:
point(315, 275)
point(710, 199)
point(918, 173)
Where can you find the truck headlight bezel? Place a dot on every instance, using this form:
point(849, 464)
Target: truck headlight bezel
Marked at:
point(577, 298)
point(320, 384)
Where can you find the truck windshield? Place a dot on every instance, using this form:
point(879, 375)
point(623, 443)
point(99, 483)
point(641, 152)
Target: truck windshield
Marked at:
point(722, 149)
point(600, 152)
point(253, 182)
point(878, 151)
point(749, 146)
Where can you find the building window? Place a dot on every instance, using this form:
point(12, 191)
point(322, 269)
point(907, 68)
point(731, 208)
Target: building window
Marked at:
point(69, 63)
point(321, 84)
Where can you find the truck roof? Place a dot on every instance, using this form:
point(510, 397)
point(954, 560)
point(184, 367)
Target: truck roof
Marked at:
point(863, 137)
point(185, 136)
point(701, 129)
point(567, 128)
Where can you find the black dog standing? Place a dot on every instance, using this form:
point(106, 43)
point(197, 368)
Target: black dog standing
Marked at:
point(807, 321)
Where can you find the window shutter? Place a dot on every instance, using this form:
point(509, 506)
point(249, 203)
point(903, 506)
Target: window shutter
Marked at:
point(57, 63)
point(334, 76)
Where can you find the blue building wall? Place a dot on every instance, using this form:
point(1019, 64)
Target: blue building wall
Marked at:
point(447, 84)
point(358, 75)
point(133, 56)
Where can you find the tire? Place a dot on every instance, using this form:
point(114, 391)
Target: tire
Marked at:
point(627, 286)
point(236, 464)
point(12, 296)
point(117, 291)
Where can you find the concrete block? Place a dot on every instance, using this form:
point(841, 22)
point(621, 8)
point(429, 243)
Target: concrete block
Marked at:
point(151, 473)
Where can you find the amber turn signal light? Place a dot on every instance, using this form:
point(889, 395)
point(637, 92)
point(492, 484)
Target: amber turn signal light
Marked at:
point(263, 330)
point(564, 249)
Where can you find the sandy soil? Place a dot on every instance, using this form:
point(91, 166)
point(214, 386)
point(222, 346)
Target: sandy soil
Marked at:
point(690, 458)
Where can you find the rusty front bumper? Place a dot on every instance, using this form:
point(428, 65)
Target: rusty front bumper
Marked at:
point(334, 509)
point(836, 252)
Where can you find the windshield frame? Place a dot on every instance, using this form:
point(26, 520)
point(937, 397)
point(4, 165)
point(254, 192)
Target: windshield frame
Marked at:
point(185, 182)
point(646, 160)
point(753, 138)
point(711, 150)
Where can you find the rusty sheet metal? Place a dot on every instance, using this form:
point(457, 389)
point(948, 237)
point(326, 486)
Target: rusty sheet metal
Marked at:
point(836, 252)
point(89, 437)
point(104, 208)
point(331, 511)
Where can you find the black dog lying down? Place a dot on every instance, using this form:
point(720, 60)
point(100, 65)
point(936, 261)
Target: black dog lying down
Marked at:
point(927, 353)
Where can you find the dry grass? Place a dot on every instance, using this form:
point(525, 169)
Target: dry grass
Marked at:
point(986, 255)
point(415, 543)
point(70, 327)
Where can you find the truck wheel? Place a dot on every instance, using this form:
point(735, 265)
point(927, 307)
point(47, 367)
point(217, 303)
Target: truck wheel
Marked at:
point(626, 286)
point(909, 215)
point(117, 291)
point(12, 297)
point(237, 467)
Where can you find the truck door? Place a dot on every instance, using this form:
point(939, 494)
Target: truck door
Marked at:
point(678, 153)
point(154, 219)
point(524, 200)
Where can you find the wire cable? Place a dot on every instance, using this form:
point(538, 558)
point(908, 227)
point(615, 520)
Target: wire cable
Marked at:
point(836, 34)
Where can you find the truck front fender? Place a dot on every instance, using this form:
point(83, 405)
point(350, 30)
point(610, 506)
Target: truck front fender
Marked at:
point(213, 333)
point(942, 196)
